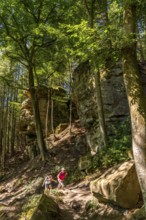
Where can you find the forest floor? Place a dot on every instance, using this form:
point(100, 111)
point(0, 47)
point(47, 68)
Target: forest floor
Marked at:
point(24, 178)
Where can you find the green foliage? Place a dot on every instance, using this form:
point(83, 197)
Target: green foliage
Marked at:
point(91, 205)
point(116, 151)
point(31, 36)
point(74, 176)
point(85, 42)
point(31, 202)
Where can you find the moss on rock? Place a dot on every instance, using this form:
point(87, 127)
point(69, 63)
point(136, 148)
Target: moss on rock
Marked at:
point(40, 207)
point(85, 162)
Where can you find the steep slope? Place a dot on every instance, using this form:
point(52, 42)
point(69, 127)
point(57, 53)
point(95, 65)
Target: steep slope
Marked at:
point(23, 181)
point(24, 178)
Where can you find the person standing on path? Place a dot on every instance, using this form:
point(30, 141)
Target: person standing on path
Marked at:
point(61, 177)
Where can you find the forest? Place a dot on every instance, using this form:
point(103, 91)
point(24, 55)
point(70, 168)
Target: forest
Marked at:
point(73, 95)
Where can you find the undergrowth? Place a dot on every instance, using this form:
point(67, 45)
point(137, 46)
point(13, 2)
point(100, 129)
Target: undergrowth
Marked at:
point(118, 145)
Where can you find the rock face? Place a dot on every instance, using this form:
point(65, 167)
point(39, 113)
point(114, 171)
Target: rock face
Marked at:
point(114, 99)
point(60, 113)
point(85, 163)
point(60, 109)
point(27, 124)
point(119, 185)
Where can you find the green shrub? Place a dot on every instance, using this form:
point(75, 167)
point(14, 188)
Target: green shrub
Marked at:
point(74, 176)
point(117, 148)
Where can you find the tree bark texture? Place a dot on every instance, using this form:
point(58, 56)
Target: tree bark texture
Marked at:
point(90, 8)
point(100, 108)
point(136, 97)
point(35, 105)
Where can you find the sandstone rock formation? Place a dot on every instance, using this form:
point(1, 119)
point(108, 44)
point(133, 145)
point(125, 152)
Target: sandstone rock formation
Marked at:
point(119, 185)
point(27, 124)
point(85, 163)
point(40, 207)
point(114, 99)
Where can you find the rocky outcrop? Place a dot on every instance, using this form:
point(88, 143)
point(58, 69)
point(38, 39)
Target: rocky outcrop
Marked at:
point(114, 99)
point(115, 104)
point(40, 207)
point(60, 109)
point(85, 163)
point(27, 125)
point(46, 97)
point(119, 185)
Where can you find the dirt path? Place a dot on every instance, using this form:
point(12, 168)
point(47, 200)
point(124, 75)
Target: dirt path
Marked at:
point(74, 200)
point(71, 203)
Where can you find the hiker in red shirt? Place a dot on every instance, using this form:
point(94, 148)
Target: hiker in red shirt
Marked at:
point(61, 176)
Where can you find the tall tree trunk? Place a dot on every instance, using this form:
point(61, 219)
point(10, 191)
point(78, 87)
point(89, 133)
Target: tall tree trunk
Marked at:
point(49, 109)
point(6, 120)
point(70, 96)
point(52, 115)
point(1, 129)
point(141, 52)
point(12, 123)
point(136, 97)
point(47, 117)
point(4, 127)
point(4, 143)
point(90, 8)
point(35, 105)
point(100, 108)
point(13, 131)
point(144, 41)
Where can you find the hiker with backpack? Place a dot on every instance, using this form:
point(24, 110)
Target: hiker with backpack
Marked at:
point(48, 183)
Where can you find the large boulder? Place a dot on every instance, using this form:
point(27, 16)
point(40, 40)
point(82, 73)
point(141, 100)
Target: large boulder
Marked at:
point(118, 185)
point(40, 207)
